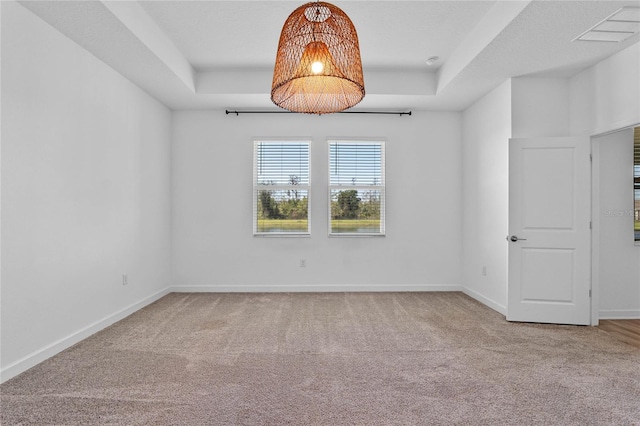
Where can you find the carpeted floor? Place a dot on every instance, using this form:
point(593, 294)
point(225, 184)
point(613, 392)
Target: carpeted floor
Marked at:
point(330, 359)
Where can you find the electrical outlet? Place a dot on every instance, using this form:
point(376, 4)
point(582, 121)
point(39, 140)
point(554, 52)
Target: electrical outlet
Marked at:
point(125, 279)
point(484, 271)
point(303, 263)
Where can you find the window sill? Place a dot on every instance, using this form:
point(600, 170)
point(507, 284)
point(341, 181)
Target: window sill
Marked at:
point(307, 235)
point(356, 235)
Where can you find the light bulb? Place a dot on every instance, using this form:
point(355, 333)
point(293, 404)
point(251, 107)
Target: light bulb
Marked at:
point(317, 67)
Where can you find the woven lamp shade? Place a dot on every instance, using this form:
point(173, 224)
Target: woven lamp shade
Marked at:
point(318, 66)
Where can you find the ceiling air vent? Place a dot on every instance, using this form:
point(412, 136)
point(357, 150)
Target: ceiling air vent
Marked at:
point(619, 26)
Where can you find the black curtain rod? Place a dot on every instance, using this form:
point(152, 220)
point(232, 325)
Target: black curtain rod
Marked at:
point(400, 113)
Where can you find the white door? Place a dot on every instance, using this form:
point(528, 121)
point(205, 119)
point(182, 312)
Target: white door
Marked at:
point(549, 230)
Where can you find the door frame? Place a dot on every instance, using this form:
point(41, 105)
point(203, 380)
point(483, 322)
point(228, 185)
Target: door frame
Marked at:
point(595, 231)
point(595, 220)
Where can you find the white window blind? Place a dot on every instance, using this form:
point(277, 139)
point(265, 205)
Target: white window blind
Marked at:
point(281, 187)
point(356, 187)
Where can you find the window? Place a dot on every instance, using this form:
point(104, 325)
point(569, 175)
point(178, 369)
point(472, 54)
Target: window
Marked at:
point(281, 188)
point(356, 187)
point(636, 182)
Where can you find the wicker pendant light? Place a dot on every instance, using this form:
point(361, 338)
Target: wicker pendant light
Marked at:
point(318, 67)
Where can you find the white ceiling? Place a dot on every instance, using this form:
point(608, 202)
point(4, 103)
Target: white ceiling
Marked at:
point(245, 33)
point(220, 54)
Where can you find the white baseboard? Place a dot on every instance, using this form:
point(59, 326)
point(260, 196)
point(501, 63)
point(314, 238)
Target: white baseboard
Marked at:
point(619, 314)
point(47, 352)
point(485, 301)
point(318, 288)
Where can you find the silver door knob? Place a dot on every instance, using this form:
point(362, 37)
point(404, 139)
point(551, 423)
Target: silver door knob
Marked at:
point(514, 238)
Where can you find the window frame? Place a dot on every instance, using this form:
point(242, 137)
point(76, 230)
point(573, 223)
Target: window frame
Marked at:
point(381, 187)
point(636, 186)
point(257, 187)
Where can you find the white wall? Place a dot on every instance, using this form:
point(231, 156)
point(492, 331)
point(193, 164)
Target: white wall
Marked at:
point(485, 189)
point(602, 97)
point(213, 246)
point(85, 193)
point(520, 107)
point(539, 107)
point(606, 97)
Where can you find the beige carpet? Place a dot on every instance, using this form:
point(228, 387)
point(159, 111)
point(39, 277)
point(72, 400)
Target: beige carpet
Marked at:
point(330, 359)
